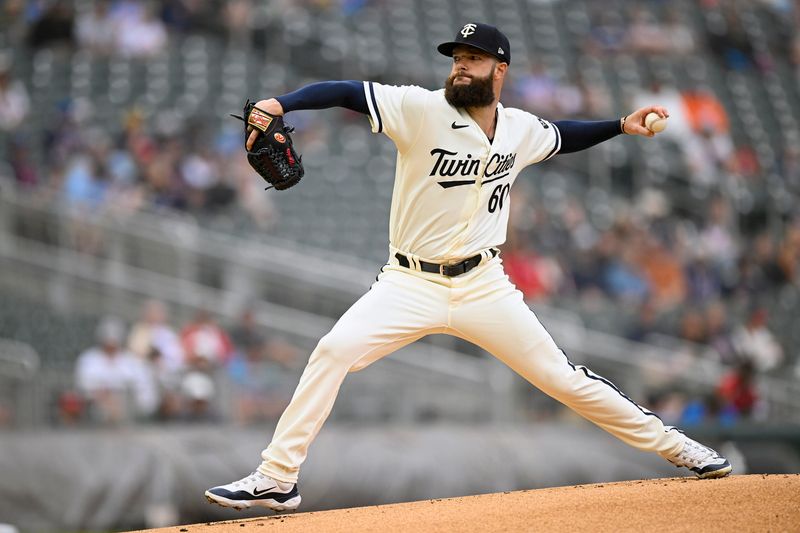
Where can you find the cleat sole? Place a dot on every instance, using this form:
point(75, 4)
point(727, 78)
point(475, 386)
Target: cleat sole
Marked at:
point(722, 472)
point(290, 505)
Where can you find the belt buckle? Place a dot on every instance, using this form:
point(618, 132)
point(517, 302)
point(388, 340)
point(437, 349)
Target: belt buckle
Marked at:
point(451, 271)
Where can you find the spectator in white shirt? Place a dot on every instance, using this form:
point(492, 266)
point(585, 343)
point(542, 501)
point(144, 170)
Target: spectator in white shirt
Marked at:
point(95, 28)
point(14, 100)
point(140, 33)
point(754, 342)
point(153, 331)
point(117, 385)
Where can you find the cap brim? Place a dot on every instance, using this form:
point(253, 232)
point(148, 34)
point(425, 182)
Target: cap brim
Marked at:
point(446, 49)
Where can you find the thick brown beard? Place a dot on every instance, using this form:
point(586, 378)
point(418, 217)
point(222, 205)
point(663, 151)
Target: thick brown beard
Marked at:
point(479, 93)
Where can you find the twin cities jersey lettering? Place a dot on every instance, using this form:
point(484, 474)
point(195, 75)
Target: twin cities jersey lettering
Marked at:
point(470, 166)
point(450, 198)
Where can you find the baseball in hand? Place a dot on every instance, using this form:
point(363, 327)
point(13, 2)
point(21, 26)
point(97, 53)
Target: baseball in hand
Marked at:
point(655, 123)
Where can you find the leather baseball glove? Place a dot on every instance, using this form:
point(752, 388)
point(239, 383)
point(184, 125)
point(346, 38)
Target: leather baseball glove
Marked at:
point(272, 155)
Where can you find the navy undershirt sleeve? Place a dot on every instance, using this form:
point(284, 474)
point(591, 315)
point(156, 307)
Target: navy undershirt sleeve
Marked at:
point(579, 135)
point(325, 94)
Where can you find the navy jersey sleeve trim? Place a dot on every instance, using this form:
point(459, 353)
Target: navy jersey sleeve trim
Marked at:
point(579, 135)
point(326, 94)
point(557, 145)
point(374, 112)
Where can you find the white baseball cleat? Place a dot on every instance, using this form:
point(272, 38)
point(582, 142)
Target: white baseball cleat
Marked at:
point(702, 460)
point(256, 490)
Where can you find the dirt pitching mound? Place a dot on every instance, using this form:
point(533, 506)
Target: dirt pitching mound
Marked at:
point(736, 503)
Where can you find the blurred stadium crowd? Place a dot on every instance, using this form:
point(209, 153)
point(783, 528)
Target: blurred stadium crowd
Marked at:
point(698, 240)
point(154, 373)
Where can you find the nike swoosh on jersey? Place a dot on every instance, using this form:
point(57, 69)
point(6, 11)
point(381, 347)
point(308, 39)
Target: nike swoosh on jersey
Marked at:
point(458, 126)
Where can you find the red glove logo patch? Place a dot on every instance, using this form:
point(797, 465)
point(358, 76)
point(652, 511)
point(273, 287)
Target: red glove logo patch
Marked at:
point(259, 120)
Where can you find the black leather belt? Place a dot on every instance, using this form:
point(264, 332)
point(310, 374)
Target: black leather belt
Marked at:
point(450, 271)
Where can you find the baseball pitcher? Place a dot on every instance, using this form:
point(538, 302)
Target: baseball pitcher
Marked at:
point(459, 151)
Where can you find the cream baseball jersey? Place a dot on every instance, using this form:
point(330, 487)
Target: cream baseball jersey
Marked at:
point(451, 189)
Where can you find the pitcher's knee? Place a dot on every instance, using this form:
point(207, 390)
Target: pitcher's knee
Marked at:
point(335, 350)
point(559, 378)
point(558, 384)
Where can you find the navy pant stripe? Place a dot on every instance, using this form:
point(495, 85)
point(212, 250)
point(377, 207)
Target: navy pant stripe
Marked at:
point(595, 377)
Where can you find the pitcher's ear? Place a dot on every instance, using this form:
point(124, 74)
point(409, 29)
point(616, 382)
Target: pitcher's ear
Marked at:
point(501, 68)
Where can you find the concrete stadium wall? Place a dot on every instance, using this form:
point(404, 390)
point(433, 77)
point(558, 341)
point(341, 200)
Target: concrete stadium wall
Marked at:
point(93, 480)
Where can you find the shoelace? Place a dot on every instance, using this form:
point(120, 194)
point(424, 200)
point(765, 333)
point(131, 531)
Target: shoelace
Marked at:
point(253, 477)
point(695, 454)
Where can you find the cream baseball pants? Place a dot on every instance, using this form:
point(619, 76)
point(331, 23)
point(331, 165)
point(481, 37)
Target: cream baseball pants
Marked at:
point(482, 307)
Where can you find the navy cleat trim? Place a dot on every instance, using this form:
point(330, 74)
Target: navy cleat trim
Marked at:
point(712, 471)
point(242, 495)
point(245, 493)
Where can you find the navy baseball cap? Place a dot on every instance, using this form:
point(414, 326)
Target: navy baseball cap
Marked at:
point(483, 37)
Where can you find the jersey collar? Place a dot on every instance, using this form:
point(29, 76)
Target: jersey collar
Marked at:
point(499, 118)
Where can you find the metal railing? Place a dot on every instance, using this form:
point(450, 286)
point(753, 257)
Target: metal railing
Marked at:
point(18, 360)
point(299, 293)
point(19, 366)
point(106, 285)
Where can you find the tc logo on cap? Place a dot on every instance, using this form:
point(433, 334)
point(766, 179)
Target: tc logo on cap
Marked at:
point(468, 30)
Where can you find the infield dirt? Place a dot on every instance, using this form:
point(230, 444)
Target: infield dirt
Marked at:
point(736, 503)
